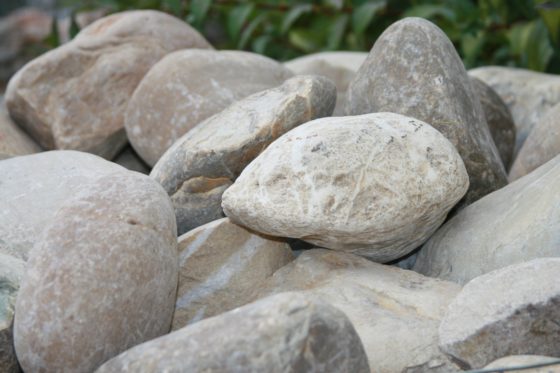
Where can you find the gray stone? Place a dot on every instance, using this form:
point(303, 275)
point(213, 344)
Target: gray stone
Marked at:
point(395, 312)
point(189, 86)
point(220, 265)
point(75, 96)
point(284, 333)
point(13, 141)
point(32, 189)
point(414, 70)
point(376, 185)
point(542, 144)
point(510, 311)
point(131, 161)
point(197, 169)
point(512, 225)
point(528, 94)
point(101, 279)
point(516, 361)
point(499, 119)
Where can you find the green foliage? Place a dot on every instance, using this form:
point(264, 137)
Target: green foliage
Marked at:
point(524, 33)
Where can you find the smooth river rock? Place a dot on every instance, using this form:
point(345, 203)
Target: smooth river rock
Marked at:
point(203, 163)
point(395, 312)
point(220, 265)
point(13, 141)
point(376, 185)
point(287, 332)
point(101, 279)
point(510, 311)
point(528, 94)
point(512, 225)
point(516, 361)
point(75, 96)
point(34, 187)
point(542, 144)
point(189, 86)
point(413, 69)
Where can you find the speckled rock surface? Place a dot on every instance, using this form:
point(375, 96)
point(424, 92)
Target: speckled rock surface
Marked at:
point(101, 279)
point(414, 70)
point(189, 86)
point(197, 169)
point(131, 161)
point(377, 185)
point(512, 225)
point(499, 120)
point(284, 333)
point(395, 312)
point(510, 311)
point(32, 189)
point(13, 141)
point(542, 144)
point(340, 67)
point(75, 96)
point(523, 360)
point(528, 94)
point(11, 273)
point(220, 265)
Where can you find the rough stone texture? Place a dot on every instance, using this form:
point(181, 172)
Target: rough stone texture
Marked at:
point(32, 189)
point(377, 185)
point(542, 144)
point(284, 333)
point(220, 263)
point(499, 120)
point(510, 311)
point(131, 161)
point(101, 279)
point(414, 70)
point(340, 67)
point(395, 312)
point(13, 141)
point(512, 225)
point(75, 96)
point(187, 87)
point(528, 94)
point(523, 360)
point(11, 273)
point(197, 169)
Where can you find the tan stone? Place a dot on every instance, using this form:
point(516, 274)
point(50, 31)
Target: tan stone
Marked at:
point(13, 141)
point(206, 160)
point(101, 279)
point(75, 96)
point(220, 265)
point(189, 86)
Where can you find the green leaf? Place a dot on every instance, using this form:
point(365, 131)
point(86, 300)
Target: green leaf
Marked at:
point(250, 29)
point(74, 27)
point(53, 40)
point(259, 44)
point(551, 17)
point(175, 6)
point(304, 40)
point(336, 31)
point(292, 16)
point(364, 14)
point(539, 49)
point(237, 18)
point(198, 11)
point(430, 11)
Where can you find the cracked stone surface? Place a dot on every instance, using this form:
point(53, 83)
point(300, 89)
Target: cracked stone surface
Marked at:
point(413, 69)
point(203, 163)
point(220, 265)
point(101, 279)
point(510, 311)
point(376, 185)
point(287, 332)
point(517, 223)
point(189, 86)
point(75, 96)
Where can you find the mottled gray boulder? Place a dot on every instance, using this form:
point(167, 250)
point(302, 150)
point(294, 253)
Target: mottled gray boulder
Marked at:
point(11, 273)
point(340, 67)
point(499, 120)
point(516, 361)
point(376, 185)
point(512, 225)
point(220, 265)
point(284, 333)
point(542, 144)
point(131, 161)
point(203, 163)
point(75, 96)
point(510, 311)
point(414, 70)
point(32, 189)
point(13, 141)
point(395, 312)
point(528, 94)
point(101, 279)
point(189, 86)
